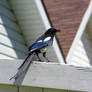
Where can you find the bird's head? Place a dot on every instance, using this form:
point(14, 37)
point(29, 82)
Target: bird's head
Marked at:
point(52, 31)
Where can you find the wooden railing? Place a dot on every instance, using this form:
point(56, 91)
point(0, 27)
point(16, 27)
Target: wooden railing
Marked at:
point(48, 75)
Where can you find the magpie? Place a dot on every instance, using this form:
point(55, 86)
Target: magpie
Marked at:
point(39, 46)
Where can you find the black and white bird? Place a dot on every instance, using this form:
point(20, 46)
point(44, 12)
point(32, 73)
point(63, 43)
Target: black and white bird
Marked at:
point(40, 46)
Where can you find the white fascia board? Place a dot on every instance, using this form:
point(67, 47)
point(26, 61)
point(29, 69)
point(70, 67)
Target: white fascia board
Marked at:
point(47, 26)
point(47, 75)
point(80, 31)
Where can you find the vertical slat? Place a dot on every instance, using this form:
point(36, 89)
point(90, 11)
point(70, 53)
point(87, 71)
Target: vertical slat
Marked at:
point(29, 89)
point(54, 90)
point(73, 91)
point(7, 88)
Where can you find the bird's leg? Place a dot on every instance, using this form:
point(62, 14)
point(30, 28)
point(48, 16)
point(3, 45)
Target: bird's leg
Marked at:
point(38, 57)
point(44, 55)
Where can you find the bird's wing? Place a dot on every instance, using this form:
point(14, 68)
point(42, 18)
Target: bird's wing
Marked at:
point(41, 38)
point(24, 65)
point(36, 46)
point(39, 45)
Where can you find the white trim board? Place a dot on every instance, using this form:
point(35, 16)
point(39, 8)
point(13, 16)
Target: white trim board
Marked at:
point(47, 26)
point(80, 31)
point(48, 75)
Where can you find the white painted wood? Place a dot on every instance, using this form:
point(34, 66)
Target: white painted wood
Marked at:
point(5, 57)
point(82, 55)
point(5, 12)
point(4, 3)
point(8, 69)
point(8, 88)
point(58, 76)
point(29, 89)
point(11, 52)
point(81, 29)
point(45, 75)
point(43, 14)
point(12, 34)
point(5, 21)
point(29, 20)
point(13, 44)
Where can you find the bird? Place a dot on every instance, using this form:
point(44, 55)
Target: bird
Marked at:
point(39, 46)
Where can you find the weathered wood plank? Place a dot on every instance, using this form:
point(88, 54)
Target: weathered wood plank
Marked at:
point(48, 75)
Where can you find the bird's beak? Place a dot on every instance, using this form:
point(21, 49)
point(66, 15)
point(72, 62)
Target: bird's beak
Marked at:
point(58, 30)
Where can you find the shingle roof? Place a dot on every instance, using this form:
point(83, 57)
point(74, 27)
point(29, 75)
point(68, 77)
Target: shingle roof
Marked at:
point(66, 15)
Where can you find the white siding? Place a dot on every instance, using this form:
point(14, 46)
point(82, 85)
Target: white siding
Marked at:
point(31, 22)
point(12, 44)
point(4, 3)
point(13, 53)
point(7, 13)
point(82, 54)
point(8, 23)
point(12, 34)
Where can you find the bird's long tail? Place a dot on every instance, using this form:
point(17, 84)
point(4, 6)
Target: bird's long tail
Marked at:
point(24, 65)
